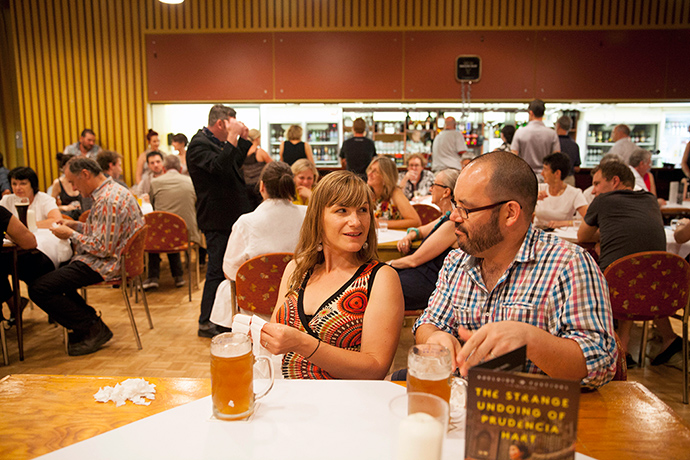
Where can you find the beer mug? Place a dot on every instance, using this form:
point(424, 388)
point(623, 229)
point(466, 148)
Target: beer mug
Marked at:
point(429, 370)
point(232, 376)
point(22, 207)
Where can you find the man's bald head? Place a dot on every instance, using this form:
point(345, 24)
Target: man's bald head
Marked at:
point(511, 179)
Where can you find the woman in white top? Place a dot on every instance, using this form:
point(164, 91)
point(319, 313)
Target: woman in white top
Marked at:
point(558, 202)
point(273, 227)
point(24, 182)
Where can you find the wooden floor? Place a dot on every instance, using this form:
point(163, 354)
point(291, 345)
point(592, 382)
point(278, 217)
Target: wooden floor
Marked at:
point(172, 348)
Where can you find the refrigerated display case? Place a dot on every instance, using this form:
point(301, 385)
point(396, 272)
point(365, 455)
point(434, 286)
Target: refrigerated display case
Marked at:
point(599, 140)
point(675, 137)
point(324, 139)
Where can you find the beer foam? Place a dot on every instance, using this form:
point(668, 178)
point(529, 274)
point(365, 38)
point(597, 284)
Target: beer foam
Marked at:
point(428, 374)
point(231, 351)
point(135, 390)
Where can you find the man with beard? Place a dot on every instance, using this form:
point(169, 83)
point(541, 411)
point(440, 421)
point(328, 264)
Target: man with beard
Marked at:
point(510, 284)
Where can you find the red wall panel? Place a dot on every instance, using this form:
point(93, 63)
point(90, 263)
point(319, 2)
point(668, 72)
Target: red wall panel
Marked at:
point(676, 50)
point(210, 67)
point(600, 65)
point(338, 65)
point(507, 64)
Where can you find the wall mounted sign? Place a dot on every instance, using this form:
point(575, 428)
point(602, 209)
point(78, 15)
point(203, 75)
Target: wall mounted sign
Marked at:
point(468, 69)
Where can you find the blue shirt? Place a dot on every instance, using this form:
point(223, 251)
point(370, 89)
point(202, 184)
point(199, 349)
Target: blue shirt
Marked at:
point(551, 284)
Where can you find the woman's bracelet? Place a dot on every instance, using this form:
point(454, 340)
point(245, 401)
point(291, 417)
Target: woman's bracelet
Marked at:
point(317, 347)
point(416, 230)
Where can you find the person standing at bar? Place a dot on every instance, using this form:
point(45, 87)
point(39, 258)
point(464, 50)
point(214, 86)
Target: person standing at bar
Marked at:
point(215, 157)
point(535, 141)
point(448, 147)
point(623, 146)
point(358, 151)
point(569, 147)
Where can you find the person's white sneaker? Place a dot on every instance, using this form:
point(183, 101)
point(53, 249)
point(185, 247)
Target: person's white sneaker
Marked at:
point(151, 283)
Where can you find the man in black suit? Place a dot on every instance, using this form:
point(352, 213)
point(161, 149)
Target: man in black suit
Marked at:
point(214, 159)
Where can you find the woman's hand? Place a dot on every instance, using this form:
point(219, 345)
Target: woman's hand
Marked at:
point(542, 195)
point(280, 339)
point(304, 192)
point(405, 244)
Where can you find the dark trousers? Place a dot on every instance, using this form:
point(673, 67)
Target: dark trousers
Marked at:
point(175, 265)
point(30, 267)
point(56, 294)
point(216, 243)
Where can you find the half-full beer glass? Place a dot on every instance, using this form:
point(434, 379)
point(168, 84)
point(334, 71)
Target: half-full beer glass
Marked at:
point(232, 376)
point(429, 369)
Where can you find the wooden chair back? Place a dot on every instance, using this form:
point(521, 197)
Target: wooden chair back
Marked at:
point(426, 212)
point(167, 232)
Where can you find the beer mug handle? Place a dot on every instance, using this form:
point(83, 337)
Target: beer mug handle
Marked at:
point(270, 371)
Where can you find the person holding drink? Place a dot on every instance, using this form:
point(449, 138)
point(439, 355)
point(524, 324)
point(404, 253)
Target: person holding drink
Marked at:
point(416, 181)
point(509, 284)
point(24, 183)
point(339, 312)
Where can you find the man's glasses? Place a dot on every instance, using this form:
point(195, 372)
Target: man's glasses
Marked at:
point(465, 213)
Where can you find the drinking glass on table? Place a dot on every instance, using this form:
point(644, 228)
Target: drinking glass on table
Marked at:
point(383, 225)
point(22, 207)
point(421, 420)
point(232, 376)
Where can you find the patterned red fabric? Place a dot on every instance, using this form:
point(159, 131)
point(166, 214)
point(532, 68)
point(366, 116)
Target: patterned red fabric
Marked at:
point(258, 281)
point(167, 233)
point(426, 213)
point(648, 285)
point(134, 253)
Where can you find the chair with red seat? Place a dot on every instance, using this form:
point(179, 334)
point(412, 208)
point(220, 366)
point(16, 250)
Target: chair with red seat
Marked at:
point(84, 215)
point(651, 285)
point(168, 235)
point(258, 280)
point(426, 212)
point(131, 268)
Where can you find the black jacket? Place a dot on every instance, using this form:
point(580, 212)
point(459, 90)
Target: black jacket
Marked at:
point(216, 171)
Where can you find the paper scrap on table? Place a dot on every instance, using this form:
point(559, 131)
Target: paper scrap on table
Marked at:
point(246, 324)
point(136, 390)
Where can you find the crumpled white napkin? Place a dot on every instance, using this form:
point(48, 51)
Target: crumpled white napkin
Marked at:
point(136, 390)
point(245, 324)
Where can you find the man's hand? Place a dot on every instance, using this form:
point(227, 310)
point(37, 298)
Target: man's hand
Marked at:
point(448, 341)
point(62, 231)
point(491, 340)
point(234, 128)
point(245, 131)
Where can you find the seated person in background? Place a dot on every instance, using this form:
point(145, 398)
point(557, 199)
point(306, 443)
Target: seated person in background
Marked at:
point(640, 162)
point(507, 133)
point(493, 295)
point(154, 160)
point(25, 185)
point(97, 256)
point(111, 164)
point(416, 181)
point(142, 166)
point(306, 175)
point(30, 265)
point(173, 192)
point(391, 203)
point(335, 291)
point(557, 201)
point(273, 227)
point(4, 180)
point(626, 221)
point(68, 200)
point(419, 271)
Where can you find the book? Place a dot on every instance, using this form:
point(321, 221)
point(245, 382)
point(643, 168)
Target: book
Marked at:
point(514, 415)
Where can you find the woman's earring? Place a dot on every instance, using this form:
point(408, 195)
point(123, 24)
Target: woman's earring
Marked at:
point(319, 247)
point(365, 246)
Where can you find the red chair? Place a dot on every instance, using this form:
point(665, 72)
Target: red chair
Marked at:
point(258, 281)
point(426, 212)
point(168, 235)
point(651, 285)
point(84, 215)
point(131, 268)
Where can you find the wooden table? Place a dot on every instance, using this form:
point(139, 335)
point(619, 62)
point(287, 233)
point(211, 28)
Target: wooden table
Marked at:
point(42, 413)
point(388, 250)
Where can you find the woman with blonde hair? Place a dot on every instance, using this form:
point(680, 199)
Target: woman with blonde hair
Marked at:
point(306, 176)
point(293, 149)
point(254, 163)
point(391, 203)
point(339, 312)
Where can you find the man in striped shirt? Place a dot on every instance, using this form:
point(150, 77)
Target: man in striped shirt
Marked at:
point(98, 244)
point(511, 284)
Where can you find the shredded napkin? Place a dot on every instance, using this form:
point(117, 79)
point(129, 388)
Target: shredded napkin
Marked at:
point(136, 390)
point(251, 325)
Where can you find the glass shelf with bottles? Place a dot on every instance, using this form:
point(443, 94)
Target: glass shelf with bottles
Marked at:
point(599, 140)
point(278, 136)
point(324, 140)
